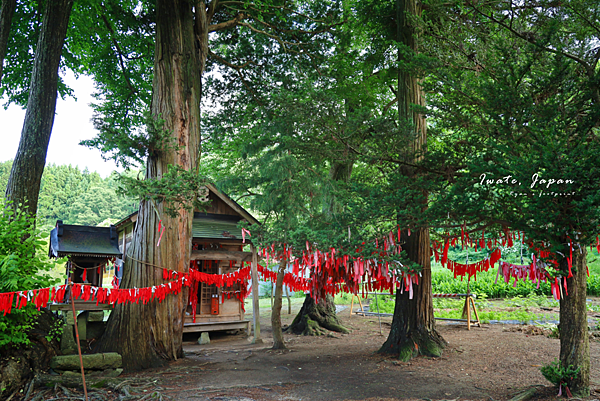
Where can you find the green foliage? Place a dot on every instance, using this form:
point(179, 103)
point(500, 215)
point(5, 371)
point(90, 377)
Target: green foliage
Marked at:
point(558, 375)
point(593, 285)
point(20, 53)
point(114, 42)
point(508, 102)
point(56, 331)
point(77, 197)
point(266, 289)
point(485, 316)
point(385, 303)
point(443, 281)
point(343, 298)
point(24, 265)
point(176, 189)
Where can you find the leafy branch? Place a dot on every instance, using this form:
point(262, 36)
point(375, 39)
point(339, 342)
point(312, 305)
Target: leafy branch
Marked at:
point(177, 189)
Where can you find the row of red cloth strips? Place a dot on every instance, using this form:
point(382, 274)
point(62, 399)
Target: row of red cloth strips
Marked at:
point(343, 268)
point(481, 243)
point(316, 258)
point(388, 244)
point(333, 260)
point(471, 269)
point(379, 280)
point(536, 272)
point(291, 280)
point(41, 297)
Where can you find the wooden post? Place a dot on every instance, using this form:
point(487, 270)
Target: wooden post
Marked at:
point(468, 312)
point(255, 303)
point(359, 303)
point(475, 310)
point(78, 342)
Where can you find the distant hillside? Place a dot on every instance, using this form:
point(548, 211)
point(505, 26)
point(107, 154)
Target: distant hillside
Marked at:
point(76, 197)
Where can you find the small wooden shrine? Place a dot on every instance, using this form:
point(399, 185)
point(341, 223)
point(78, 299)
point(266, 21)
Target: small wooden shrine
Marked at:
point(217, 249)
point(88, 250)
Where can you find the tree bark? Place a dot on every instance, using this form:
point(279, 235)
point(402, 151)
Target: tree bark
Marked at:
point(149, 335)
point(413, 325)
point(573, 327)
point(26, 173)
point(314, 317)
point(7, 10)
point(278, 341)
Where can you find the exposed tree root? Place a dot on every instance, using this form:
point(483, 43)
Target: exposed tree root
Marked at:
point(50, 387)
point(418, 343)
point(315, 318)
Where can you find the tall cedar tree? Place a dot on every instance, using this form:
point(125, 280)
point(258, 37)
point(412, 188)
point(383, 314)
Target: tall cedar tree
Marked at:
point(149, 335)
point(266, 32)
point(26, 174)
point(413, 326)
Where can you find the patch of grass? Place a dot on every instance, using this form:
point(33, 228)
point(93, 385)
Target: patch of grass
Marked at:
point(592, 308)
point(532, 301)
point(265, 303)
point(485, 316)
point(593, 262)
point(443, 281)
point(343, 298)
point(448, 303)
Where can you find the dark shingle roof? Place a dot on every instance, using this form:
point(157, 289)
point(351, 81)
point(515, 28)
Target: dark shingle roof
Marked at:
point(74, 240)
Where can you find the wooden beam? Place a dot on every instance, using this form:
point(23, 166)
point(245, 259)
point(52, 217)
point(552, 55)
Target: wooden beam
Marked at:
point(255, 306)
point(215, 254)
point(214, 326)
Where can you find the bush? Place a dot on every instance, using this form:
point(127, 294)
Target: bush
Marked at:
point(24, 265)
point(560, 376)
point(443, 281)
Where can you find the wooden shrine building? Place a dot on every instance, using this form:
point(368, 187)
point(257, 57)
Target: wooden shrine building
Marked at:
point(217, 248)
point(88, 250)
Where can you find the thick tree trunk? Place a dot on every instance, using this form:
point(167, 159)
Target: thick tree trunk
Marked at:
point(28, 166)
point(149, 335)
point(574, 339)
point(314, 317)
point(413, 326)
point(7, 10)
point(278, 341)
point(410, 92)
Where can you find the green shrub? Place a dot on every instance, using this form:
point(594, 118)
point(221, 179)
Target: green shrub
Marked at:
point(265, 289)
point(343, 298)
point(593, 285)
point(24, 265)
point(443, 281)
point(558, 375)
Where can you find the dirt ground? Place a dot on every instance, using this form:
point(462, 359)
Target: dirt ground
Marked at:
point(493, 362)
